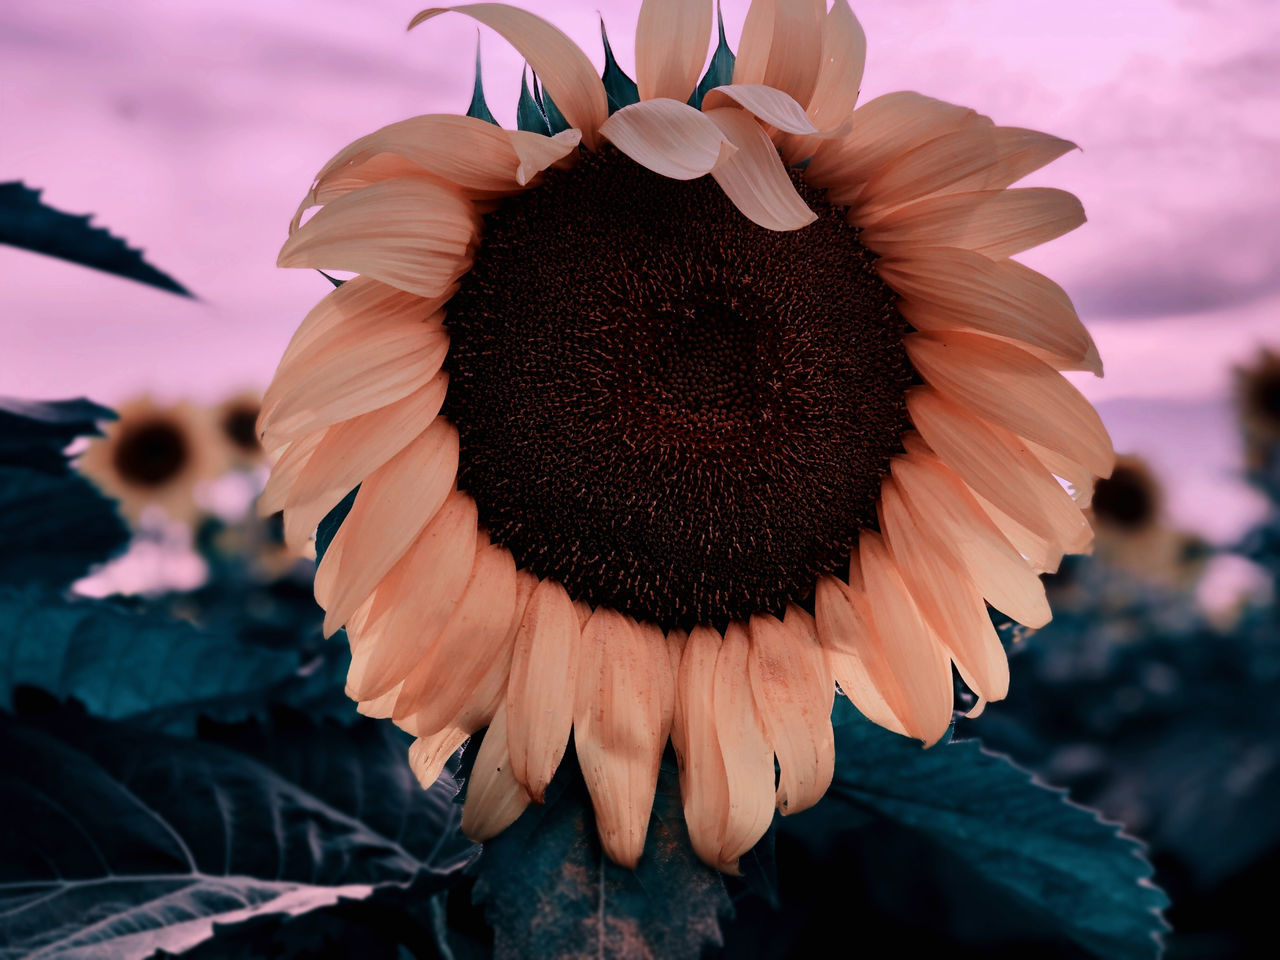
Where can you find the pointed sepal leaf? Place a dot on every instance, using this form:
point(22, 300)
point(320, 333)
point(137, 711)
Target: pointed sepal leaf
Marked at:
point(27, 222)
point(719, 70)
point(478, 108)
point(328, 528)
point(529, 115)
point(549, 891)
point(34, 433)
point(620, 90)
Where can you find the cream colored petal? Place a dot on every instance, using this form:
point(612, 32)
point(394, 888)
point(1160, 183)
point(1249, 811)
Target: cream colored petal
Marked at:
point(618, 728)
point(915, 655)
point(994, 223)
point(414, 602)
point(672, 37)
point(564, 70)
point(1042, 556)
point(754, 178)
point(375, 169)
point(792, 687)
point(772, 106)
point(471, 653)
point(537, 152)
point(544, 665)
point(781, 46)
point(1007, 386)
point(413, 234)
point(393, 505)
point(675, 641)
point(285, 473)
point(353, 449)
point(669, 137)
point(944, 288)
point(300, 524)
point(880, 131)
point(946, 597)
point(744, 750)
point(1079, 478)
point(856, 653)
point(996, 464)
point(952, 520)
point(428, 755)
point(978, 156)
point(381, 707)
point(844, 54)
point(703, 786)
point(495, 799)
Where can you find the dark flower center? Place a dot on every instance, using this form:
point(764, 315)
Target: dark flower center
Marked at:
point(1265, 395)
point(667, 408)
point(1125, 499)
point(240, 425)
point(151, 454)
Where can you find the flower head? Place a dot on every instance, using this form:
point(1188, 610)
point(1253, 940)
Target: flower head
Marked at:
point(236, 419)
point(671, 417)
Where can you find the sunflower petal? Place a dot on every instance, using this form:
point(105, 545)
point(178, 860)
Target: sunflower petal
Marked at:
point(793, 690)
point(428, 755)
point(744, 750)
point(781, 46)
point(703, 785)
point(672, 37)
point(285, 472)
point(754, 178)
point(1007, 386)
point(414, 602)
point(996, 464)
point(411, 233)
point(470, 653)
point(563, 68)
point(772, 106)
point(946, 597)
point(944, 288)
point(544, 664)
point(537, 152)
point(393, 505)
point(617, 723)
point(844, 55)
point(994, 223)
point(669, 137)
point(952, 520)
point(1042, 556)
point(495, 799)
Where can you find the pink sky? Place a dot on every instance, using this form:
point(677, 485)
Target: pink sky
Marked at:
point(193, 128)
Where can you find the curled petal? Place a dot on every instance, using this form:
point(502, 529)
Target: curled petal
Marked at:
point(703, 786)
point(671, 46)
point(844, 54)
point(564, 69)
point(669, 137)
point(781, 46)
point(428, 755)
point(410, 233)
point(772, 106)
point(754, 178)
point(495, 799)
point(536, 152)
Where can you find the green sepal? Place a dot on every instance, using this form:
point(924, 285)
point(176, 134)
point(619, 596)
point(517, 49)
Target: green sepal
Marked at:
point(328, 527)
point(529, 115)
point(334, 280)
point(555, 119)
point(479, 108)
point(620, 89)
point(719, 71)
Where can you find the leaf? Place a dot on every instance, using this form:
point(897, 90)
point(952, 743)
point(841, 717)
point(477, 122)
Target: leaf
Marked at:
point(550, 892)
point(121, 842)
point(123, 664)
point(334, 280)
point(328, 527)
point(27, 222)
point(529, 115)
point(33, 433)
point(620, 90)
point(478, 108)
point(54, 528)
point(719, 70)
point(1085, 880)
point(556, 122)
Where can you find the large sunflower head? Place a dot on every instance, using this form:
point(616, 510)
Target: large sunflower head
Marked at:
point(672, 414)
point(153, 455)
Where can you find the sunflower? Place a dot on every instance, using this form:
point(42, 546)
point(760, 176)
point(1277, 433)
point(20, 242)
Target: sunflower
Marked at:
point(1257, 395)
point(153, 456)
point(646, 454)
point(236, 419)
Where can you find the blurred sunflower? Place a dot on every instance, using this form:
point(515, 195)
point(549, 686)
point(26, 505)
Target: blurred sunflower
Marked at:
point(643, 453)
point(1258, 406)
point(153, 455)
point(236, 419)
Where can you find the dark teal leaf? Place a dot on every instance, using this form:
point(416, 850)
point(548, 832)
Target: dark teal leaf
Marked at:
point(620, 89)
point(549, 891)
point(478, 108)
point(328, 528)
point(120, 663)
point(1083, 879)
point(27, 222)
point(33, 433)
point(556, 123)
point(334, 280)
point(529, 115)
point(131, 841)
point(719, 70)
point(54, 527)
